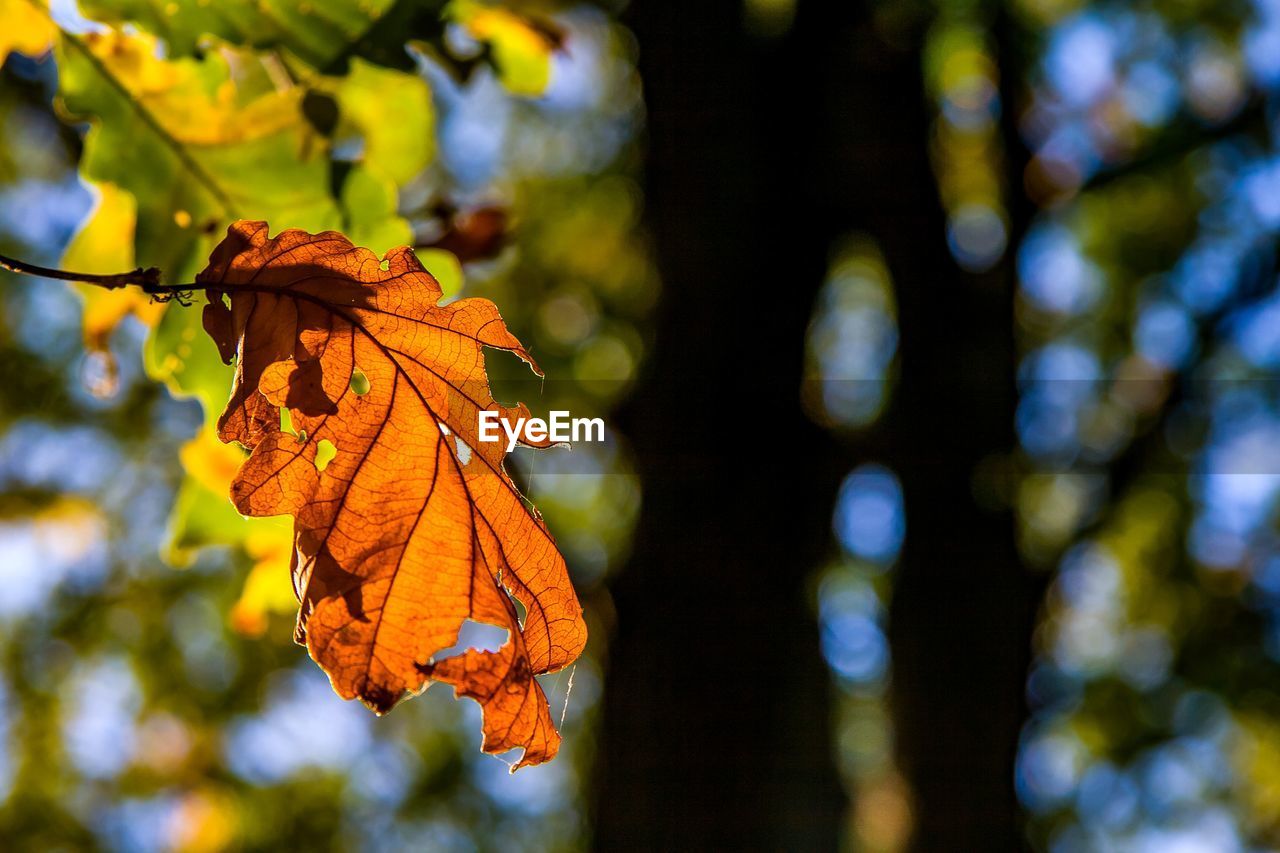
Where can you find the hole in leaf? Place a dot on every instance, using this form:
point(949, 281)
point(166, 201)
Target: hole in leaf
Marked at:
point(464, 450)
point(359, 383)
point(521, 611)
point(510, 378)
point(325, 453)
point(286, 426)
point(480, 636)
point(385, 265)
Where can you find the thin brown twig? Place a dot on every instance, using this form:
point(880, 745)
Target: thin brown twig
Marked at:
point(148, 279)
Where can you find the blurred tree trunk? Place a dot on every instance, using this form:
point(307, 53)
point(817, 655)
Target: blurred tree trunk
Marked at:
point(716, 727)
point(963, 606)
point(717, 721)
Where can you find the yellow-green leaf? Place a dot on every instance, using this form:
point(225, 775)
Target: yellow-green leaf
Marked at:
point(521, 50)
point(391, 111)
point(315, 31)
point(26, 30)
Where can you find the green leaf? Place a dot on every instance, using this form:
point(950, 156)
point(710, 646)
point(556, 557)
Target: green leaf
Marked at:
point(391, 111)
point(521, 49)
point(195, 149)
point(444, 265)
point(180, 354)
point(26, 30)
point(200, 518)
point(316, 31)
point(202, 514)
point(369, 204)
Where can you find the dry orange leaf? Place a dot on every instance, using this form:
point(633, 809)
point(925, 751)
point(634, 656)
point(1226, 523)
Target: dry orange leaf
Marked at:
point(406, 525)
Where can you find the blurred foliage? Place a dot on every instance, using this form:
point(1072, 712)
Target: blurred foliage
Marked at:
point(144, 707)
point(316, 35)
point(1147, 476)
point(152, 697)
point(1148, 421)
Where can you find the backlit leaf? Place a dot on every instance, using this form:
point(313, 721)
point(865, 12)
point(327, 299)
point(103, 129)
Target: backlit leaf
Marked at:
point(413, 526)
point(26, 29)
point(267, 588)
point(104, 244)
point(521, 48)
point(369, 206)
point(195, 147)
point(203, 517)
point(445, 267)
point(315, 31)
point(392, 113)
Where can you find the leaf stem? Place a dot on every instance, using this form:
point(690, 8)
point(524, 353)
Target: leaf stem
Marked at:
point(148, 279)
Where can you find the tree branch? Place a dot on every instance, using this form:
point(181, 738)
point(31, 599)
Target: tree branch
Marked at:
point(1126, 469)
point(148, 279)
point(1179, 140)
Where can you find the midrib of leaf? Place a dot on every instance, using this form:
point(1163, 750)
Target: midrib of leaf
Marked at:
point(473, 509)
point(389, 354)
point(179, 150)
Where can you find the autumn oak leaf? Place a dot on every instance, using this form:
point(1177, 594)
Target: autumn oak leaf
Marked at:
point(406, 524)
